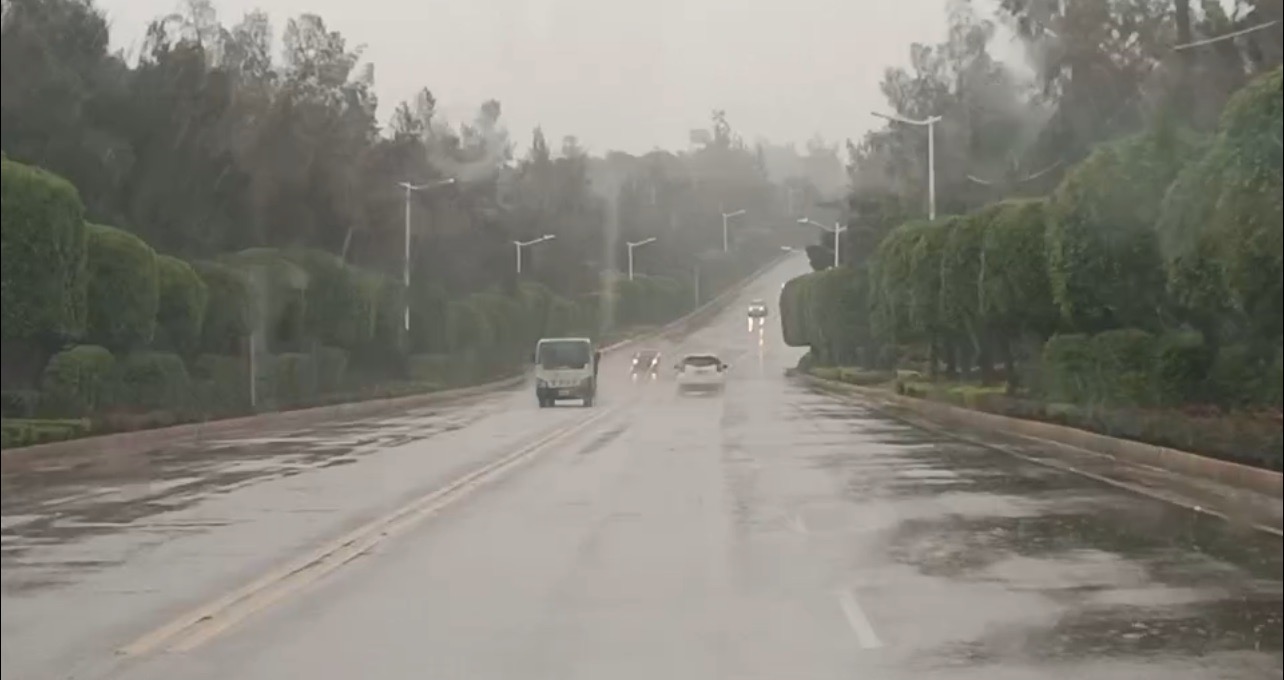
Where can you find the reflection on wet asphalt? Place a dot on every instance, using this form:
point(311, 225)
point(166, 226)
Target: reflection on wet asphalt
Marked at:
point(771, 532)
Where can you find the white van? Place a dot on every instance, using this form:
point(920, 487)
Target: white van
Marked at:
point(565, 368)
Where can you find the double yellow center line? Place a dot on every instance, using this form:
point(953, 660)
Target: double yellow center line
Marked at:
point(196, 627)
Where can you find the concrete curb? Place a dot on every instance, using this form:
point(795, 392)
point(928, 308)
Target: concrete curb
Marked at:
point(1231, 474)
point(142, 439)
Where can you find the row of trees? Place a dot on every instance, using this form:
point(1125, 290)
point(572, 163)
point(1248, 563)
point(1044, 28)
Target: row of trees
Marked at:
point(160, 332)
point(219, 140)
point(1145, 241)
point(262, 174)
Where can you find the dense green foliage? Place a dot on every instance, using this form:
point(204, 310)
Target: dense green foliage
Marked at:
point(43, 250)
point(78, 380)
point(827, 311)
point(123, 288)
point(1220, 222)
point(1149, 278)
point(180, 313)
point(229, 310)
point(1103, 254)
point(152, 381)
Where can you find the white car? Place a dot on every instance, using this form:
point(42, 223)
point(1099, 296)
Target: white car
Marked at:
point(701, 373)
point(757, 309)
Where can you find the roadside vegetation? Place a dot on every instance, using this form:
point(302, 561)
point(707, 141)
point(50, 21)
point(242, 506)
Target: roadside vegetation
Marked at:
point(218, 230)
point(1133, 288)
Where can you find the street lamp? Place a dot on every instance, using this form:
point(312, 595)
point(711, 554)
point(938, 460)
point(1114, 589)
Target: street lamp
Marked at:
point(725, 217)
point(930, 123)
point(405, 272)
point(837, 231)
point(633, 245)
point(524, 244)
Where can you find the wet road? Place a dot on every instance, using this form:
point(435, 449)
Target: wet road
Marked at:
point(771, 532)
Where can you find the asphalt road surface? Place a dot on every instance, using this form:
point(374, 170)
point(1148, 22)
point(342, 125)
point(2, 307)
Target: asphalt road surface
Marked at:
point(768, 533)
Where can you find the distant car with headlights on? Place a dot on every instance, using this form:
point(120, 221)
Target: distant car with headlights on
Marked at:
point(701, 373)
point(757, 309)
point(646, 365)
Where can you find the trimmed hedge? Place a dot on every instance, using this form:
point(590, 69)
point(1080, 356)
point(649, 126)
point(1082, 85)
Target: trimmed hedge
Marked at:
point(467, 327)
point(1103, 253)
point(221, 384)
point(278, 296)
point(1220, 223)
point(1016, 296)
point(78, 381)
point(42, 256)
point(123, 289)
point(827, 311)
point(229, 310)
point(155, 381)
point(339, 310)
point(15, 433)
point(1068, 368)
point(181, 306)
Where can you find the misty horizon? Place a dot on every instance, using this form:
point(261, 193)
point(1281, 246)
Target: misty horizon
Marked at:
point(650, 83)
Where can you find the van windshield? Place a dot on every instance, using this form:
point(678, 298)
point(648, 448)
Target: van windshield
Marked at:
point(563, 354)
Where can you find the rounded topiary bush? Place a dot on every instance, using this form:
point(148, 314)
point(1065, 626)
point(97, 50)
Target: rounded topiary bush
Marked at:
point(181, 307)
point(124, 291)
point(77, 381)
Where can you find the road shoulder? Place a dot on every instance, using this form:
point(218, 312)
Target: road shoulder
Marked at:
point(1240, 494)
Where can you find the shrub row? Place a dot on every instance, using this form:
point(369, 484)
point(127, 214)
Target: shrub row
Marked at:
point(1131, 367)
point(99, 321)
point(1146, 239)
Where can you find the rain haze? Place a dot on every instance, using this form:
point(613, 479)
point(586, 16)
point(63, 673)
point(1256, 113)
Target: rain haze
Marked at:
point(620, 75)
point(661, 340)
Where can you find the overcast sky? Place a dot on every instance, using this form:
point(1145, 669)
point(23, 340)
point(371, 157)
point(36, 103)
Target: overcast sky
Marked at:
point(619, 74)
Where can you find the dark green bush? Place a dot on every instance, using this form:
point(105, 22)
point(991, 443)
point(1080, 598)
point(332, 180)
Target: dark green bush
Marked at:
point(221, 384)
point(331, 366)
point(278, 296)
point(42, 256)
point(78, 381)
point(19, 403)
point(1103, 254)
point(430, 314)
point(1016, 296)
point(793, 311)
point(124, 293)
point(153, 381)
point(229, 310)
point(1241, 376)
point(1220, 222)
point(435, 369)
point(468, 327)
point(1068, 368)
point(1182, 362)
point(562, 318)
point(295, 377)
point(1125, 367)
point(338, 309)
point(181, 307)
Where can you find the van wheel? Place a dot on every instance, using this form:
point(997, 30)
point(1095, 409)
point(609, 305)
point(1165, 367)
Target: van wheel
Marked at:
point(588, 402)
